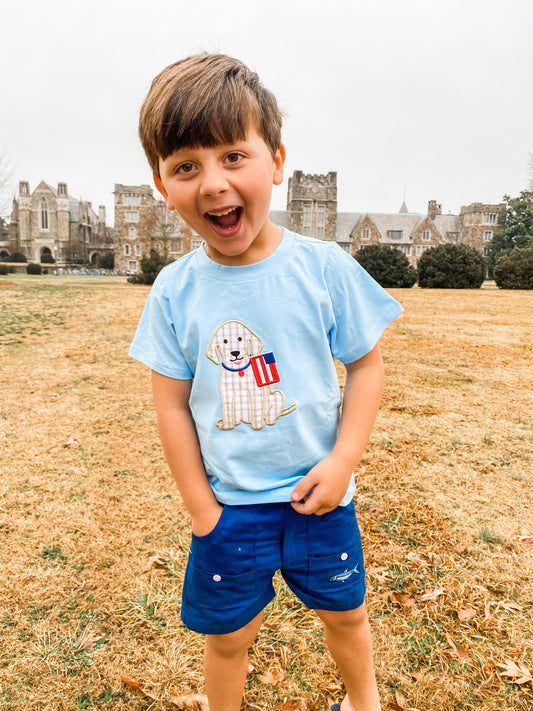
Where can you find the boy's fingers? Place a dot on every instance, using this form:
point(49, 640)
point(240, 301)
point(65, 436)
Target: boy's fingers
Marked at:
point(304, 488)
point(305, 507)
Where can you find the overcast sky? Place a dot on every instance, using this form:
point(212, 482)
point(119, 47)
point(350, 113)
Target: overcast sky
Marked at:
point(431, 97)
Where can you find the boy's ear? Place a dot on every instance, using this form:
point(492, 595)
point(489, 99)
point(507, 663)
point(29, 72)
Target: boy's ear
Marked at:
point(279, 162)
point(161, 189)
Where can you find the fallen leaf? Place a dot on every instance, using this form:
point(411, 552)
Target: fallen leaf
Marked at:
point(369, 512)
point(466, 613)
point(71, 443)
point(194, 702)
point(526, 539)
point(414, 558)
point(402, 599)
point(510, 606)
point(518, 672)
point(156, 561)
point(293, 705)
point(90, 641)
point(460, 549)
point(432, 594)
point(458, 653)
point(400, 698)
point(131, 683)
point(137, 686)
point(272, 676)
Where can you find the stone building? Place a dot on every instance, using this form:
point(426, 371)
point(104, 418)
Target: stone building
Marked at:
point(50, 223)
point(312, 210)
point(143, 223)
point(312, 204)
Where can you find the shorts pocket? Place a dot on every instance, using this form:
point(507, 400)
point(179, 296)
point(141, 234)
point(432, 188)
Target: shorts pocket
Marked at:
point(221, 591)
point(344, 567)
point(229, 548)
point(219, 524)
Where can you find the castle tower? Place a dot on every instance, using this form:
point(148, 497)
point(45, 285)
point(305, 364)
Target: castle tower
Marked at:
point(63, 227)
point(312, 204)
point(24, 218)
point(479, 224)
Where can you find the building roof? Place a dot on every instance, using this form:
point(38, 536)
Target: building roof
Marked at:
point(405, 223)
point(447, 223)
point(346, 223)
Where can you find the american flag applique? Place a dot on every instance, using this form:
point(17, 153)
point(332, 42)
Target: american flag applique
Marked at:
point(264, 369)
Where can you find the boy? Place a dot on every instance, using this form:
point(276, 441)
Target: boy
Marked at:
point(240, 336)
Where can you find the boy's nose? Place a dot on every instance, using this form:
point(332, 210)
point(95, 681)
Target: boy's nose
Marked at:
point(214, 181)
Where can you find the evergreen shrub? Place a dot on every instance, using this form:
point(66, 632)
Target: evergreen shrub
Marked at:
point(107, 261)
point(515, 270)
point(33, 268)
point(150, 268)
point(387, 265)
point(451, 266)
point(17, 257)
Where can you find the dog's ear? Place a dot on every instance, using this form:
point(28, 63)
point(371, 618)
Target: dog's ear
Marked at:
point(213, 350)
point(254, 343)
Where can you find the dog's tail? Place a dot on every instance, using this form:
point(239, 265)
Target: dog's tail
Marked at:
point(288, 410)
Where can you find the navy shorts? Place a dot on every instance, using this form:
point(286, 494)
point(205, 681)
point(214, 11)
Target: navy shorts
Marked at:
point(229, 574)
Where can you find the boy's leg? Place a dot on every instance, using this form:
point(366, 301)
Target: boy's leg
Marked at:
point(348, 638)
point(226, 665)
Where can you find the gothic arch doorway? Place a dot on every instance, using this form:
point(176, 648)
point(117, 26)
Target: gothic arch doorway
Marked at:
point(46, 256)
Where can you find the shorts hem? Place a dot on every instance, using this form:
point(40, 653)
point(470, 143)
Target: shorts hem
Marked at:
point(228, 626)
point(332, 606)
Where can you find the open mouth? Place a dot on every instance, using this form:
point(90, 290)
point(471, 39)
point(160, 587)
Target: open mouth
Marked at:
point(225, 220)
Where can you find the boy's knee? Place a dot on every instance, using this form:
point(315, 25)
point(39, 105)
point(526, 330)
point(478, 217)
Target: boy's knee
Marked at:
point(343, 619)
point(233, 643)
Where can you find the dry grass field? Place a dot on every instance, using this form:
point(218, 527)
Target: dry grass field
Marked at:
point(93, 537)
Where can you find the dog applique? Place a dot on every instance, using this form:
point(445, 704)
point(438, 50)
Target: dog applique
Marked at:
point(246, 375)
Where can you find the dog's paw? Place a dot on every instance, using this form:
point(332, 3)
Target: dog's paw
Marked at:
point(224, 425)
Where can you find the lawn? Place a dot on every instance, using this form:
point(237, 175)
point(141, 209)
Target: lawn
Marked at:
point(94, 536)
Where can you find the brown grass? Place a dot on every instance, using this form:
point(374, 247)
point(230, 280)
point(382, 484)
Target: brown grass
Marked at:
point(444, 501)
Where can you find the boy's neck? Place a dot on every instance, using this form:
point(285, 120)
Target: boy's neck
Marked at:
point(265, 244)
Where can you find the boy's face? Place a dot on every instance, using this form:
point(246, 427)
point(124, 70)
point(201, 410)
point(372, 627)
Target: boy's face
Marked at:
point(224, 193)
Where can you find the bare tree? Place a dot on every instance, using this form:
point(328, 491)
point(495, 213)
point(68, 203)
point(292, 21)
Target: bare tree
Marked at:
point(162, 227)
point(5, 185)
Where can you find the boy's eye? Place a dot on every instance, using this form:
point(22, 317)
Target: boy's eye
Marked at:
point(184, 168)
point(234, 157)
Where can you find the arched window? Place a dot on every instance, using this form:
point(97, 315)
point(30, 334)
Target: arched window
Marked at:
point(44, 214)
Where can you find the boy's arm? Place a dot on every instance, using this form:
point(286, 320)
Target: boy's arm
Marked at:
point(324, 487)
point(182, 451)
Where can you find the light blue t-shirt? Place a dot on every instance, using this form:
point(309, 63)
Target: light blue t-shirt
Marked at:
point(259, 342)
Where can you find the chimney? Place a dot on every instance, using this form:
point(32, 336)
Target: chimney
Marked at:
point(434, 209)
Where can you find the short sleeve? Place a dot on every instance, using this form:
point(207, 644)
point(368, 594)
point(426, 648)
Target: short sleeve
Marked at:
point(362, 309)
point(156, 343)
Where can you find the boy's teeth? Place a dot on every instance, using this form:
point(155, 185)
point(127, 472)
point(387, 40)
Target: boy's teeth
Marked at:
point(223, 212)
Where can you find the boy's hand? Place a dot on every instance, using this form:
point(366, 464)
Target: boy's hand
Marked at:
point(206, 521)
point(323, 488)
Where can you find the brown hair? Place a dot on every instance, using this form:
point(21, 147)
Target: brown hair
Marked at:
point(206, 100)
